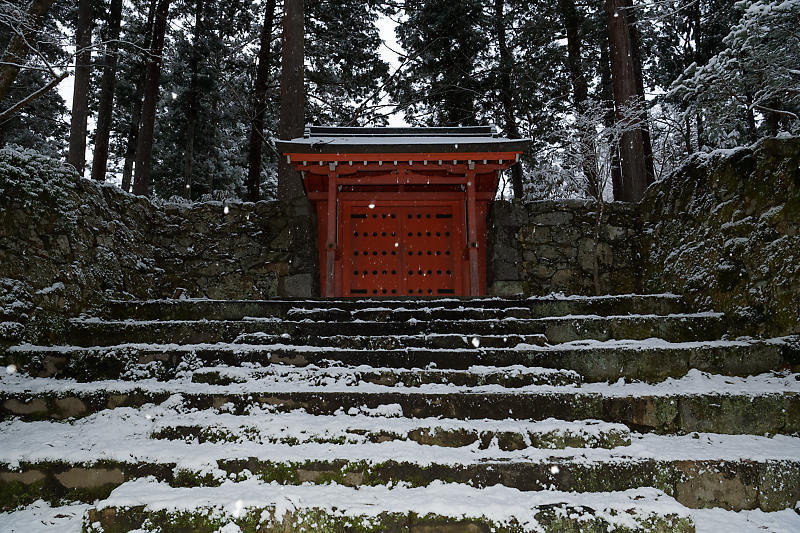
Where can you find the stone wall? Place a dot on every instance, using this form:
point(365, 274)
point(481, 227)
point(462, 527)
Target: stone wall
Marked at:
point(66, 243)
point(725, 231)
point(558, 245)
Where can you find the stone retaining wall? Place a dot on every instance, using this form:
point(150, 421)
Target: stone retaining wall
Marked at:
point(67, 243)
point(724, 230)
point(555, 246)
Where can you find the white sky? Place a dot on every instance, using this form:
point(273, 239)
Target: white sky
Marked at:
point(388, 52)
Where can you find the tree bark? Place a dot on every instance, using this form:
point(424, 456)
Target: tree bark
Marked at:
point(80, 95)
point(580, 89)
point(106, 106)
point(144, 141)
point(607, 95)
point(635, 177)
point(17, 51)
point(292, 107)
point(192, 112)
point(506, 91)
point(259, 106)
point(636, 59)
point(136, 112)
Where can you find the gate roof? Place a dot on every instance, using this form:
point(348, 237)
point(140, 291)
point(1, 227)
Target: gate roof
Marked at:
point(429, 143)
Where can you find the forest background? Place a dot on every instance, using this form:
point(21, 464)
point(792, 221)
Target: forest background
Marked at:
point(200, 81)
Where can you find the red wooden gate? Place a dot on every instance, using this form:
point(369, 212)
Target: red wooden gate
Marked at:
point(402, 211)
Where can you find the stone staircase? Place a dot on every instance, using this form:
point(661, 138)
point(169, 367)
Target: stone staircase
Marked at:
point(558, 414)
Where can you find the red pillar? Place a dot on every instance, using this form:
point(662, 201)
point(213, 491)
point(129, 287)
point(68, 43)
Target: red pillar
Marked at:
point(472, 233)
point(330, 279)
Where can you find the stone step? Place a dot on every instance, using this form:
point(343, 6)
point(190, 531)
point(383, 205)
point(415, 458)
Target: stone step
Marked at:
point(399, 342)
point(674, 328)
point(131, 364)
point(649, 360)
point(250, 506)
point(295, 428)
point(86, 460)
point(555, 305)
point(697, 402)
point(69, 517)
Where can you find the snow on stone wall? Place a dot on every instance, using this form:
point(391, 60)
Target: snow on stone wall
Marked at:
point(549, 246)
point(725, 231)
point(67, 242)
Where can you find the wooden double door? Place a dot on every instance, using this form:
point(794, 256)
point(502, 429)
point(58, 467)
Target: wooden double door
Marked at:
point(402, 248)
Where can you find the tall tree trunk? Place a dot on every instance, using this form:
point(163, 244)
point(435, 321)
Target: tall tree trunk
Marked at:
point(580, 89)
point(292, 106)
point(106, 107)
point(259, 106)
point(136, 112)
point(635, 177)
point(17, 51)
point(192, 112)
point(607, 95)
point(80, 96)
point(636, 60)
point(506, 91)
point(144, 141)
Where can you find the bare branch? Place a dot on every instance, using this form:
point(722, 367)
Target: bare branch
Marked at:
point(6, 115)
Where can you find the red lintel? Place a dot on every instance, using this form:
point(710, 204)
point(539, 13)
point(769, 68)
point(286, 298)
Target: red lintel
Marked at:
point(444, 157)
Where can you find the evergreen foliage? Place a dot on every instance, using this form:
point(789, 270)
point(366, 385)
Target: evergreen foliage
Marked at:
point(716, 73)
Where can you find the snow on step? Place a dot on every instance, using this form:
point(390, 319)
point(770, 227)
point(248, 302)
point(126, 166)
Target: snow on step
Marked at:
point(673, 327)
point(543, 306)
point(475, 376)
point(262, 426)
point(649, 359)
point(376, 508)
point(453, 341)
point(285, 379)
point(41, 517)
point(125, 434)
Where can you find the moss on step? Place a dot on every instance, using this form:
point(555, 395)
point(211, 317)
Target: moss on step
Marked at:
point(53, 481)
point(551, 519)
point(769, 485)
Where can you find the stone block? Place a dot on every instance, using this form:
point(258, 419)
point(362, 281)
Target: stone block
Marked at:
point(508, 214)
point(531, 234)
point(505, 271)
point(564, 279)
point(506, 288)
point(613, 233)
point(605, 255)
point(88, 478)
point(502, 253)
point(555, 218)
point(541, 271)
point(297, 286)
point(568, 235)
